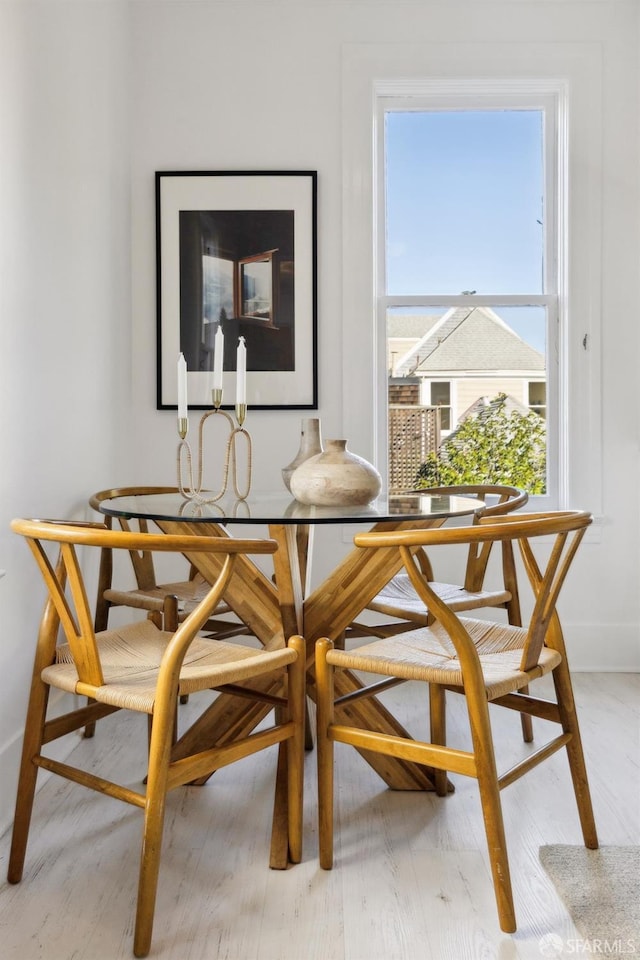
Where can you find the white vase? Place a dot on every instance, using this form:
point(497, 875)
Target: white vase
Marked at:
point(336, 477)
point(310, 445)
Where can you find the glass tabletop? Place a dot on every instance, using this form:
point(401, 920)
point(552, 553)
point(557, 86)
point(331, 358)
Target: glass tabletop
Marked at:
point(280, 508)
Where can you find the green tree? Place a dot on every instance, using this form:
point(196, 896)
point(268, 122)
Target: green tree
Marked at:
point(494, 446)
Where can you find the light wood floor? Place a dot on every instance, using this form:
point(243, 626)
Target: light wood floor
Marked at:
point(411, 880)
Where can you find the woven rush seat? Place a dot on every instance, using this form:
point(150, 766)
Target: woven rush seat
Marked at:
point(131, 656)
point(399, 592)
point(428, 654)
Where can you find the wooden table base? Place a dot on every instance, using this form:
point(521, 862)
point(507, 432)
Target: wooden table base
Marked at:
point(275, 612)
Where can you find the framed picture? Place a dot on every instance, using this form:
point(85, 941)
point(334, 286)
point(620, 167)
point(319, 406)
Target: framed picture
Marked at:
point(236, 253)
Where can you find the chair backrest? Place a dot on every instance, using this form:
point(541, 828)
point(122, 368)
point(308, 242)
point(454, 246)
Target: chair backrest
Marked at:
point(141, 560)
point(499, 500)
point(565, 530)
point(71, 608)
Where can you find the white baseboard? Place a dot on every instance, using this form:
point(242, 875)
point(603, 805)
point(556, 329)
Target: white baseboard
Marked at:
point(603, 648)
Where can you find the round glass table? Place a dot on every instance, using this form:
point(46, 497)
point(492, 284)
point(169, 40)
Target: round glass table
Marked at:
point(275, 608)
point(288, 606)
point(280, 508)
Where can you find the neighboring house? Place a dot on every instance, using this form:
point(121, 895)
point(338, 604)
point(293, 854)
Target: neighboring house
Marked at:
point(403, 332)
point(466, 354)
point(484, 407)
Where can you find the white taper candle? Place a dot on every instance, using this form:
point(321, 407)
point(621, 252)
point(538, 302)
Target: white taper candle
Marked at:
point(241, 376)
point(218, 354)
point(182, 387)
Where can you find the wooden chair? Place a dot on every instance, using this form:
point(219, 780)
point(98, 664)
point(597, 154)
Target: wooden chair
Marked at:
point(486, 662)
point(171, 601)
point(142, 668)
point(400, 600)
point(148, 594)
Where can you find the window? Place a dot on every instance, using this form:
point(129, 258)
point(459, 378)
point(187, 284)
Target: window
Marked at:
point(217, 288)
point(440, 396)
point(538, 398)
point(467, 270)
point(217, 302)
point(257, 284)
point(565, 83)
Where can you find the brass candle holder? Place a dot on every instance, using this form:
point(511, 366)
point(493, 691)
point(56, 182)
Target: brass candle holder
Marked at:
point(191, 490)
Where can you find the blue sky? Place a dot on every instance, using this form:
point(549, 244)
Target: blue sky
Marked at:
point(464, 206)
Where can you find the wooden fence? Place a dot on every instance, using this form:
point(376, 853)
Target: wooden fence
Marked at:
point(414, 431)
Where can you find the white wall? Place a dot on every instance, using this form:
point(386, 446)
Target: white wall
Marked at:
point(65, 378)
point(248, 84)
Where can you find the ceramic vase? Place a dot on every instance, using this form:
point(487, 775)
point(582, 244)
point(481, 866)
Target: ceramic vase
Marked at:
point(310, 445)
point(335, 477)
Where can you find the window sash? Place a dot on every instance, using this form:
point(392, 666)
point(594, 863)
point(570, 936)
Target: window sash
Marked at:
point(574, 76)
point(552, 106)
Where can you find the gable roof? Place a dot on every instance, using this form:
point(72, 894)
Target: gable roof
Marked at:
point(410, 326)
point(483, 408)
point(469, 339)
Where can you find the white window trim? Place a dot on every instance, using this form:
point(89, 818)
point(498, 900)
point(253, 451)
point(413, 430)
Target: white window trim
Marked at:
point(550, 99)
point(371, 71)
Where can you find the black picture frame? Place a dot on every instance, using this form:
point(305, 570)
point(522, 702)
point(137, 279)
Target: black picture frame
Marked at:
point(238, 250)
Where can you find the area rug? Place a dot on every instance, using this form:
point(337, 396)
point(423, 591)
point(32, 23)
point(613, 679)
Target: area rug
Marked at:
point(601, 891)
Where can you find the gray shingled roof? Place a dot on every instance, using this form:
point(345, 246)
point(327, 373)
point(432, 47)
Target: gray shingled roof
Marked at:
point(409, 326)
point(483, 407)
point(470, 338)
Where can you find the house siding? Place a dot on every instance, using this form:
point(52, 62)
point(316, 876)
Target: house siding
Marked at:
point(469, 390)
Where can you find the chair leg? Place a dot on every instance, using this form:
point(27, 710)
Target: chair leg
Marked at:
point(90, 728)
point(496, 841)
point(169, 620)
point(487, 775)
point(174, 735)
point(295, 748)
point(159, 756)
point(27, 778)
point(438, 723)
point(575, 755)
point(308, 727)
point(527, 722)
point(514, 617)
point(324, 747)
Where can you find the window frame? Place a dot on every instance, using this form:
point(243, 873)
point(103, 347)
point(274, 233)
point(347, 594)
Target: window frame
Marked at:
point(574, 71)
point(431, 97)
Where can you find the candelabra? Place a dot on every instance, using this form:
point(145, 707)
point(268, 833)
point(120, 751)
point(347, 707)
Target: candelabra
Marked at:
point(191, 490)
